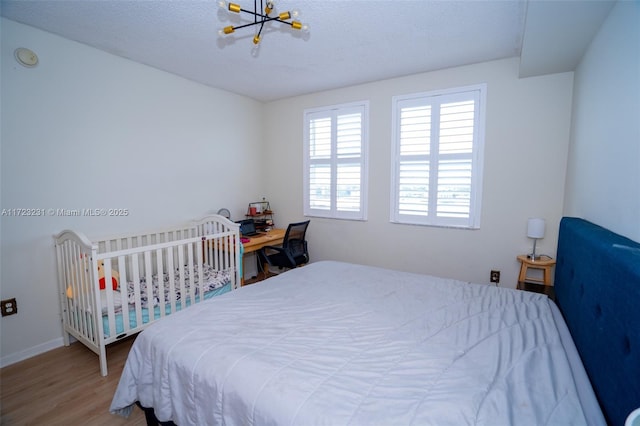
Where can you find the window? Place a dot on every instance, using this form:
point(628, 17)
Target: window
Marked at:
point(335, 161)
point(437, 142)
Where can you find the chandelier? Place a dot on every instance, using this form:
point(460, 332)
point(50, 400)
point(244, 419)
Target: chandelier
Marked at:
point(261, 16)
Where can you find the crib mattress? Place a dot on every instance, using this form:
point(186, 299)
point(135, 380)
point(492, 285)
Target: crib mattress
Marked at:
point(133, 322)
point(335, 343)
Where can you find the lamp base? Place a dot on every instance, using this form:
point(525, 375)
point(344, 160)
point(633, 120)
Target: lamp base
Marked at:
point(533, 256)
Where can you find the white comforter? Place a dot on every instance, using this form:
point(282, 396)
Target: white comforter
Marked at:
point(337, 344)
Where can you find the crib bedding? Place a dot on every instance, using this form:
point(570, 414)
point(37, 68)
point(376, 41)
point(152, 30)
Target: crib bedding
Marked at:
point(336, 343)
point(215, 282)
point(133, 323)
point(150, 294)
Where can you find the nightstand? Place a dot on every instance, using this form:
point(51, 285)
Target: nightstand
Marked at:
point(538, 285)
point(538, 288)
point(526, 263)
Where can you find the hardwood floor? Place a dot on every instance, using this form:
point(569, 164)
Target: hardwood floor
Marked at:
point(64, 387)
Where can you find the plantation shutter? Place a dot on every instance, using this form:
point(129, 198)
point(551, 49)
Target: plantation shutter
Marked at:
point(335, 162)
point(436, 163)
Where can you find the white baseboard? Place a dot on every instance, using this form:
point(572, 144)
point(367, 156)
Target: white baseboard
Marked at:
point(31, 352)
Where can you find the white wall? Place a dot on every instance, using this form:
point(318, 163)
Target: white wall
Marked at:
point(85, 123)
point(527, 137)
point(603, 178)
point(86, 129)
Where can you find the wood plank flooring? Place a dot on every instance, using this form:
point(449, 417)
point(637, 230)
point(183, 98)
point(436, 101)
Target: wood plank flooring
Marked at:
point(64, 387)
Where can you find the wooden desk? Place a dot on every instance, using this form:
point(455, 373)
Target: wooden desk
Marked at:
point(273, 237)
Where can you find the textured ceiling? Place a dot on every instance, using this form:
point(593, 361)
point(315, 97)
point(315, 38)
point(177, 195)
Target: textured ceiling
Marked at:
point(350, 41)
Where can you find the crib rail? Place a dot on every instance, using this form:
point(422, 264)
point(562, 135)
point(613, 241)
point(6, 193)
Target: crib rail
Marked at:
point(145, 277)
point(75, 277)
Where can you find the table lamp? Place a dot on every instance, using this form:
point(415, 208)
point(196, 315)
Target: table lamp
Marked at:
point(535, 230)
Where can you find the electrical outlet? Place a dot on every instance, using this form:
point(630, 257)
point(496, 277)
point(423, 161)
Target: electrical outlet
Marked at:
point(9, 307)
point(495, 276)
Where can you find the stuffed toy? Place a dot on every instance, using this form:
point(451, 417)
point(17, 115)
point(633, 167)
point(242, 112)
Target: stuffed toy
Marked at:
point(115, 277)
point(115, 280)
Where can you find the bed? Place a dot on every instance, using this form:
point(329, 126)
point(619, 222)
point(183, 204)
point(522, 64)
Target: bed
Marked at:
point(112, 288)
point(597, 286)
point(338, 343)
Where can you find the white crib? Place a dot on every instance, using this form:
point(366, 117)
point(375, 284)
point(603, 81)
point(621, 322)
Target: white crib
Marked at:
point(144, 278)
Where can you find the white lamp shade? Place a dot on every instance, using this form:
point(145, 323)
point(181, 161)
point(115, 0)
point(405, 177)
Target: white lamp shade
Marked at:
point(535, 228)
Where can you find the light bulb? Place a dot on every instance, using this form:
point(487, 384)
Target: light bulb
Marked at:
point(255, 50)
point(222, 4)
point(295, 14)
point(305, 28)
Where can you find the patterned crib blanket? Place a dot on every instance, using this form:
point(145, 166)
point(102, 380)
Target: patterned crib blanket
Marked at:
point(150, 294)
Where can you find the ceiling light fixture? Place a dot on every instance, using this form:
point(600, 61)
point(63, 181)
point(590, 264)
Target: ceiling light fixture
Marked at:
point(260, 18)
point(25, 57)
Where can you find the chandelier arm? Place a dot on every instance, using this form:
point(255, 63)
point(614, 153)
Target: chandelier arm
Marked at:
point(264, 17)
point(256, 14)
point(284, 22)
point(260, 30)
point(262, 22)
point(251, 24)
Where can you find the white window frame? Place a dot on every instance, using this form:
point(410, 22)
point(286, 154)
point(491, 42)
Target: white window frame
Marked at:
point(333, 162)
point(474, 92)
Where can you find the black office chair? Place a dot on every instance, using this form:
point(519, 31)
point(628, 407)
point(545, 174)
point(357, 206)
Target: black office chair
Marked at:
point(293, 252)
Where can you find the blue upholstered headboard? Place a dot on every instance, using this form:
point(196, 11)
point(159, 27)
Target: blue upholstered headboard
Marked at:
point(597, 286)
